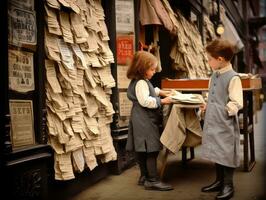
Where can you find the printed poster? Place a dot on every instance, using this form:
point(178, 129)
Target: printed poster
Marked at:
point(125, 104)
point(124, 48)
point(21, 26)
point(23, 4)
point(122, 80)
point(124, 16)
point(22, 131)
point(21, 73)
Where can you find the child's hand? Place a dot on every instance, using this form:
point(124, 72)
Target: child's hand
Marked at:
point(166, 100)
point(165, 93)
point(202, 107)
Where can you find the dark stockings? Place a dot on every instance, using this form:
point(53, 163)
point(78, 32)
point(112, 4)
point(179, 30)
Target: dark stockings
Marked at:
point(224, 174)
point(148, 164)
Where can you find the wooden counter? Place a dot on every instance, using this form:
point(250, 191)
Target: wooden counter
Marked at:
point(202, 84)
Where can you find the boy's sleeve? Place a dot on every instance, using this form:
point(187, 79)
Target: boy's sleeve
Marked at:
point(235, 96)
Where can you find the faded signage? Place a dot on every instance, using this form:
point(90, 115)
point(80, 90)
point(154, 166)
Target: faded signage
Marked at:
point(21, 74)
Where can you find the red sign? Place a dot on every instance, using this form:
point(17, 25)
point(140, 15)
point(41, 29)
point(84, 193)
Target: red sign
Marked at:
point(124, 48)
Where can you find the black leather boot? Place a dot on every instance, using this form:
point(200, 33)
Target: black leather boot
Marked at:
point(214, 187)
point(218, 184)
point(227, 192)
point(157, 185)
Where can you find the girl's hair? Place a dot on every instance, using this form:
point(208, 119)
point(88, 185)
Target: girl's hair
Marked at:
point(141, 62)
point(221, 48)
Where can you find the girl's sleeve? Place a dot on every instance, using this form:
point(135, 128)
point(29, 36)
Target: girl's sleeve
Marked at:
point(143, 95)
point(235, 96)
point(157, 91)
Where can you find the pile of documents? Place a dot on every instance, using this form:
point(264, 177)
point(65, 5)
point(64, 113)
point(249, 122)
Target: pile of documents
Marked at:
point(78, 86)
point(188, 53)
point(248, 75)
point(186, 99)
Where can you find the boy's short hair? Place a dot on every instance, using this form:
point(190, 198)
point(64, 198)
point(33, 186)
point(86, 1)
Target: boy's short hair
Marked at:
point(141, 62)
point(221, 48)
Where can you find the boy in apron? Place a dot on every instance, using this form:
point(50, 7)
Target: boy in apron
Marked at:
point(221, 135)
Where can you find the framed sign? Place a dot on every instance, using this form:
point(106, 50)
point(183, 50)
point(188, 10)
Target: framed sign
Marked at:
point(22, 120)
point(21, 26)
point(124, 16)
point(20, 69)
point(124, 48)
point(23, 4)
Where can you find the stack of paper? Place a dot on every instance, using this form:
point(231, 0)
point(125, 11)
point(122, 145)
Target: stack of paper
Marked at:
point(80, 33)
point(52, 49)
point(51, 18)
point(65, 27)
point(79, 85)
point(187, 98)
point(51, 76)
point(53, 4)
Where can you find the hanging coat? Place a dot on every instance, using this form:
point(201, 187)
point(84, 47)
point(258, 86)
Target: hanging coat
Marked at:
point(143, 133)
point(221, 135)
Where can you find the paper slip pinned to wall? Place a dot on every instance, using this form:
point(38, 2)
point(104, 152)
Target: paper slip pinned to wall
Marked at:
point(92, 106)
point(100, 95)
point(63, 167)
point(60, 114)
point(91, 42)
point(90, 158)
point(58, 100)
point(70, 76)
point(91, 124)
point(54, 4)
point(66, 54)
point(80, 55)
point(51, 124)
point(80, 33)
point(106, 52)
point(52, 48)
point(82, 5)
point(53, 25)
point(65, 27)
point(91, 20)
point(76, 123)
point(74, 143)
point(103, 31)
point(56, 128)
point(93, 60)
point(54, 143)
point(80, 77)
point(107, 80)
point(67, 127)
point(78, 159)
point(51, 76)
point(70, 4)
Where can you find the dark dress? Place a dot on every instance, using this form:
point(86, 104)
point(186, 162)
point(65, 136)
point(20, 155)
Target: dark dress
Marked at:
point(143, 133)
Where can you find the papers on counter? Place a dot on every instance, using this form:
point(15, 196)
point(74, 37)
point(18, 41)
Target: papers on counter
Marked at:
point(178, 97)
point(247, 75)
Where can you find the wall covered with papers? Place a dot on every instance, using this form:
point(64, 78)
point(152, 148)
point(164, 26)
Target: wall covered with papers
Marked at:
point(78, 87)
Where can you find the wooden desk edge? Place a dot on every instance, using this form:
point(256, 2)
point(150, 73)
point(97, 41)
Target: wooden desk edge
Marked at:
point(190, 84)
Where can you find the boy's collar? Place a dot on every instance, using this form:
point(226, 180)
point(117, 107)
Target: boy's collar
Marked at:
point(224, 69)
